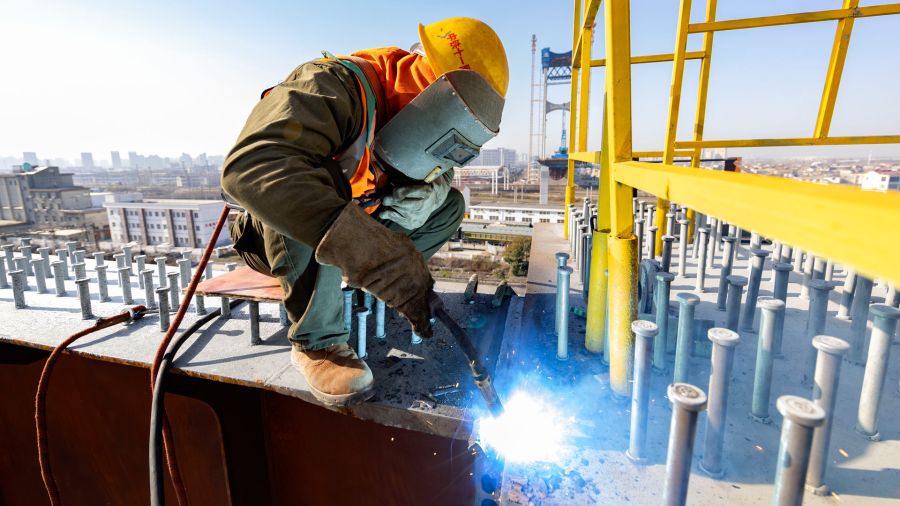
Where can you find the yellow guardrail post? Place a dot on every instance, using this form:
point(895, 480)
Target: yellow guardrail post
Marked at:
point(681, 35)
point(595, 327)
point(835, 69)
point(702, 93)
point(622, 243)
point(622, 311)
point(573, 102)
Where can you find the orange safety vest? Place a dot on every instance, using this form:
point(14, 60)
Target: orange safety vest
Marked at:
point(366, 179)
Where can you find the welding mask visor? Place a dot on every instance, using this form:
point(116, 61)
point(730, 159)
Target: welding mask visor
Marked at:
point(443, 127)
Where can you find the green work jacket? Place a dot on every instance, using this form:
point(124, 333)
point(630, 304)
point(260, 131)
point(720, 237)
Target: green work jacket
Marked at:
point(281, 169)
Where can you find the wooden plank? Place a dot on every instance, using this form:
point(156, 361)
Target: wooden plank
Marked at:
point(242, 283)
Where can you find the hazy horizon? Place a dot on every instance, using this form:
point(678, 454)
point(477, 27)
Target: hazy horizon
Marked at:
point(169, 77)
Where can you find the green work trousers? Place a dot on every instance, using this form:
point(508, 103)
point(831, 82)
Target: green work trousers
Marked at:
point(312, 292)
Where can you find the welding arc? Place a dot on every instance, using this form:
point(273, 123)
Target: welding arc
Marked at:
point(40, 399)
point(157, 496)
point(479, 371)
point(168, 446)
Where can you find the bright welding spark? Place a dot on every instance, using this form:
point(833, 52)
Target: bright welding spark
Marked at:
point(529, 430)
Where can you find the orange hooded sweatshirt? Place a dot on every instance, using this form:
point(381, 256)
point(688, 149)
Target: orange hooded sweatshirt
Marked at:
point(403, 75)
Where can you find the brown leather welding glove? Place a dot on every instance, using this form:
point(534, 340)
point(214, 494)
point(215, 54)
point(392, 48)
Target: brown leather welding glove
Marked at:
point(382, 262)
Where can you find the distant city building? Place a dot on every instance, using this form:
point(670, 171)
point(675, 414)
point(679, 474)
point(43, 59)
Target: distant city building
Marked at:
point(104, 178)
point(215, 160)
point(157, 162)
point(164, 222)
point(520, 214)
point(98, 199)
point(497, 156)
point(197, 180)
point(30, 157)
point(116, 159)
point(45, 198)
point(491, 233)
point(87, 160)
point(880, 180)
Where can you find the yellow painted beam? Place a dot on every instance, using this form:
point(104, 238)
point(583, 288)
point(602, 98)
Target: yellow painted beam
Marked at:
point(702, 93)
point(595, 326)
point(800, 141)
point(618, 79)
point(584, 94)
point(703, 86)
point(604, 181)
point(653, 58)
point(622, 311)
point(622, 243)
point(595, 335)
point(573, 106)
point(793, 19)
point(596, 156)
point(659, 154)
point(681, 36)
point(835, 69)
point(590, 15)
point(585, 156)
point(841, 223)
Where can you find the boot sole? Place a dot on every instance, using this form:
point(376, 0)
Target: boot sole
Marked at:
point(337, 400)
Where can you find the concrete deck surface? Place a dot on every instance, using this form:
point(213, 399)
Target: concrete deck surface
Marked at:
point(595, 469)
point(405, 373)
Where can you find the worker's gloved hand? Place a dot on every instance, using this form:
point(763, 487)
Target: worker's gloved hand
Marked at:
point(410, 206)
point(382, 262)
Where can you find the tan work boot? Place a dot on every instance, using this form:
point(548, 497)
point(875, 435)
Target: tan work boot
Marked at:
point(336, 376)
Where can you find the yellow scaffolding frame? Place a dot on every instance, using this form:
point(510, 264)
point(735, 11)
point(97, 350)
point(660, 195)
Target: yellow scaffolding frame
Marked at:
point(842, 223)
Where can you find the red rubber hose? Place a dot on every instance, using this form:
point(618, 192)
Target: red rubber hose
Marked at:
point(40, 399)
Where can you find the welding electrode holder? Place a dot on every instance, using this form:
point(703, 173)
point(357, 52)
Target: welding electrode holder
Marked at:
point(482, 378)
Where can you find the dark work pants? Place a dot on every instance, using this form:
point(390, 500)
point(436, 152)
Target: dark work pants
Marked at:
point(312, 292)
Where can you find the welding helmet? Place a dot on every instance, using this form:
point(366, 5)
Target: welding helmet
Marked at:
point(443, 127)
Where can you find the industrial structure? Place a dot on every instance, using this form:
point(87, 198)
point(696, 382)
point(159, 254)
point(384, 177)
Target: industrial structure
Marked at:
point(556, 69)
point(493, 173)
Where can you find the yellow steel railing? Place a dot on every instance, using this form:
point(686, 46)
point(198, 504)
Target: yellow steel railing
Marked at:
point(841, 223)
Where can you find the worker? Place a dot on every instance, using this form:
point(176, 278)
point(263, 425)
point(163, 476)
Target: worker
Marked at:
point(344, 171)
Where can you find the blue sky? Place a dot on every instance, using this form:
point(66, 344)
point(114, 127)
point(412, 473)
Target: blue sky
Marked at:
point(166, 77)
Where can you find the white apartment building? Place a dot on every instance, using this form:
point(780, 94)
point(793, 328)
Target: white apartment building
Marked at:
point(163, 222)
point(521, 214)
point(880, 180)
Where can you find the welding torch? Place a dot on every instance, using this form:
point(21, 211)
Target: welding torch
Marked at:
point(482, 378)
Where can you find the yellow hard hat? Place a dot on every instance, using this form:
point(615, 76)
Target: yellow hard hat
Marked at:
point(466, 43)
